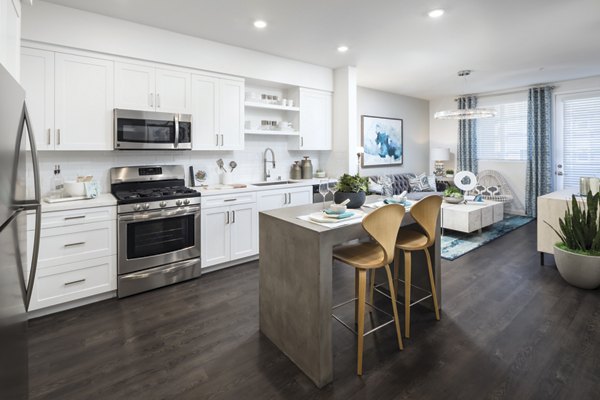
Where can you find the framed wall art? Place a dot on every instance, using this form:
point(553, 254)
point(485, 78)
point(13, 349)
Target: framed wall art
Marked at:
point(382, 141)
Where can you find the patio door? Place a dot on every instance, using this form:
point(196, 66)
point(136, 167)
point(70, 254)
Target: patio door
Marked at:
point(576, 138)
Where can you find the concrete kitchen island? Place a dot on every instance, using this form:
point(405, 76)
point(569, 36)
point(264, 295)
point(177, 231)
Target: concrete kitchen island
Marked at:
point(295, 284)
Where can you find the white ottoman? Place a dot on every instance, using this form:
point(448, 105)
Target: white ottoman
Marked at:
point(472, 216)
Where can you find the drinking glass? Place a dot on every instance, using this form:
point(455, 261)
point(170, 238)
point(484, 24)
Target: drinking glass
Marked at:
point(323, 189)
point(332, 188)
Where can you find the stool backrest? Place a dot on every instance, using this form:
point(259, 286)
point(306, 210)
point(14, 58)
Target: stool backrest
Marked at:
point(383, 225)
point(426, 212)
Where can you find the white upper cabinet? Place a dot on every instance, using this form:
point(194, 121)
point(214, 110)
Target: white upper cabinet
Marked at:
point(217, 113)
point(134, 87)
point(172, 91)
point(315, 120)
point(83, 103)
point(69, 99)
point(37, 78)
point(10, 35)
point(231, 109)
point(142, 87)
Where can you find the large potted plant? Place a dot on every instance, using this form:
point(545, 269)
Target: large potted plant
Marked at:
point(353, 187)
point(577, 256)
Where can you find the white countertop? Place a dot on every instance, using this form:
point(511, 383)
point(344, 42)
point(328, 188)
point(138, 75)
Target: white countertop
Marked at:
point(214, 190)
point(103, 199)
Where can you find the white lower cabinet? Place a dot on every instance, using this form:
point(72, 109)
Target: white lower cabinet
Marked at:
point(279, 198)
point(77, 256)
point(228, 228)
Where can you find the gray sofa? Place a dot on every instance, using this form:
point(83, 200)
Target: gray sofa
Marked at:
point(400, 183)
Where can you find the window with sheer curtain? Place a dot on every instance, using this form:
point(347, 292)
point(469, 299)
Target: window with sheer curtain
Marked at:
point(503, 137)
point(580, 136)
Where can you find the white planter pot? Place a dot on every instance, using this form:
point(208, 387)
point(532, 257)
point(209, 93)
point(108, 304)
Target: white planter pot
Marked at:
point(577, 269)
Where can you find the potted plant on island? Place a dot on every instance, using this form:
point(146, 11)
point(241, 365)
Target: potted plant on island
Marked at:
point(577, 256)
point(352, 187)
point(449, 173)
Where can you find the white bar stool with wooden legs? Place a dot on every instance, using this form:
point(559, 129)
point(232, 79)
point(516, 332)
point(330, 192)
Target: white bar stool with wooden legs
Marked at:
point(425, 213)
point(383, 225)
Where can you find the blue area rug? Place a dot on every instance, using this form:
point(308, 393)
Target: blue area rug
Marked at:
point(456, 244)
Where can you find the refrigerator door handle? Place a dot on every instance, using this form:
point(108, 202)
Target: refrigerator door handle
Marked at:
point(36, 205)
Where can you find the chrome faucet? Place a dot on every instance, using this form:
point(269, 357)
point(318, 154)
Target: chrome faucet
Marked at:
point(267, 173)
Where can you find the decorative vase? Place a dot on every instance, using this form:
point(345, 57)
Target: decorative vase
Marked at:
point(578, 270)
point(356, 199)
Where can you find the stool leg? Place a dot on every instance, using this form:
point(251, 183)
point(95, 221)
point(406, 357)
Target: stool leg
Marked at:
point(395, 279)
point(394, 307)
point(407, 283)
point(362, 289)
point(356, 279)
point(371, 285)
point(432, 283)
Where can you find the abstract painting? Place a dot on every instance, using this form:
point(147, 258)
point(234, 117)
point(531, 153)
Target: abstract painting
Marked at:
point(382, 141)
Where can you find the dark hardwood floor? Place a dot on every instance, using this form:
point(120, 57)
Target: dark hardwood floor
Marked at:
point(510, 329)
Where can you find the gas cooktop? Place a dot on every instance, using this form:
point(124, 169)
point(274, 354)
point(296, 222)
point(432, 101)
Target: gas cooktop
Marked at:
point(154, 194)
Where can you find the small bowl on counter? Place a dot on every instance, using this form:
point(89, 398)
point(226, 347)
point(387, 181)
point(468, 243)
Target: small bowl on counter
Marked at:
point(337, 208)
point(74, 189)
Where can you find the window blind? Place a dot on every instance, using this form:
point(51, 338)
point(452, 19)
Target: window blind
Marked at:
point(503, 137)
point(581, 139)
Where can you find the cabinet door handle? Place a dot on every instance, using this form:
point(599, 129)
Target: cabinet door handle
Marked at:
point(217, 136)
point(222, 142)
point(285, 199)
point(227, 221)
point(230, 200)
point(289, 198)
point(74, 244)
point(301, 141)
point(233, 217)
point(151, 99)
point(49, 133)
point(58, 136)
point(157, 100)
point(74, 282)
point(77, 217)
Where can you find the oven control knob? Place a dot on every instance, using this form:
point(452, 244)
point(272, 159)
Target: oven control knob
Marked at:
point(162, 204)
point(186, 201)
point(178, 203)
point(146, 206)
point(137, 207)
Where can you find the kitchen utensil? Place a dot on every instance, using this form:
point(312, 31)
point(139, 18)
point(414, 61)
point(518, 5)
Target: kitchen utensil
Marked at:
point(343, 203)
point(232, 165)
point(221, 164)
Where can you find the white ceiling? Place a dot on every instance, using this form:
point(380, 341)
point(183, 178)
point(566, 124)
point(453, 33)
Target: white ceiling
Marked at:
point(393, 44)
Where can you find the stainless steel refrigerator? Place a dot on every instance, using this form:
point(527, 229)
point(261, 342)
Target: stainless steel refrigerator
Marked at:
point(16, 273)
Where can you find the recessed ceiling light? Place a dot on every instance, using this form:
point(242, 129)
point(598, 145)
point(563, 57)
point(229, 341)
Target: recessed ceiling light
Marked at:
point(342, 49)
point(438, 12)
point(260, 24)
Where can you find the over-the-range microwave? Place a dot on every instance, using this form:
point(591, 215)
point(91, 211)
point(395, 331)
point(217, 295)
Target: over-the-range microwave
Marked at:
point(150, 130)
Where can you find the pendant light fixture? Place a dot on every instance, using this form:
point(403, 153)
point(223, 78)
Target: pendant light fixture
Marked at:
point(467, 113)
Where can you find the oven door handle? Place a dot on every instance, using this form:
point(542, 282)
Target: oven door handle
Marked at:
point(147, 216)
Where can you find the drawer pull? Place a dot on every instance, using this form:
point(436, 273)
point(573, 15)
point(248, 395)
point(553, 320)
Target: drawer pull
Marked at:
point(74, 244)
point(230, 200)
point(77, 217)
point(74, 282)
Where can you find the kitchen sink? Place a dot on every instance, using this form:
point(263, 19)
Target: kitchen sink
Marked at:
point(272, 183)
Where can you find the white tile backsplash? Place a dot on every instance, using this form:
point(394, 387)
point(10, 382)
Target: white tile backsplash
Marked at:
point(249, 161)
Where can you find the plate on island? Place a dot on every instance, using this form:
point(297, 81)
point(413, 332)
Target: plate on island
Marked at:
point(322, 217)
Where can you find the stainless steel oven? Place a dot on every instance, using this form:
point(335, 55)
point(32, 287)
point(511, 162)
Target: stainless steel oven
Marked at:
point(158, 235)
point(154, 238)
point(149, 130)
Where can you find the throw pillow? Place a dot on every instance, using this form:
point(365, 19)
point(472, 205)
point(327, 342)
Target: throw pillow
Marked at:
point(374, 185)
point(420, 184)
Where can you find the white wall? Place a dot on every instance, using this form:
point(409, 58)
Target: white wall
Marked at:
point(249, 169)
point(444, 133)
point(54, 24)
point(415, 115)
